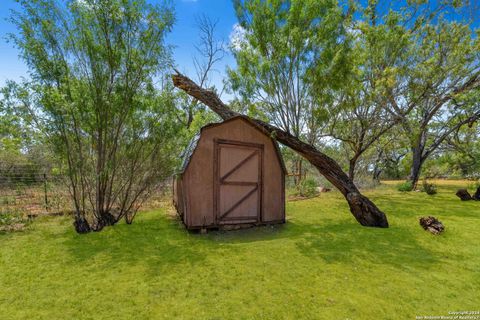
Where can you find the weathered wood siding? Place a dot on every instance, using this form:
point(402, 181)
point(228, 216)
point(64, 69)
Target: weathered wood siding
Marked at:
point(197, 183)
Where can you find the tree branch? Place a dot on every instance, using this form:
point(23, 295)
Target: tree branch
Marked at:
point(365, 211)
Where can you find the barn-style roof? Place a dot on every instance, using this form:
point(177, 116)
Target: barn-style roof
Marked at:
point(188, 152)
point(186, 155)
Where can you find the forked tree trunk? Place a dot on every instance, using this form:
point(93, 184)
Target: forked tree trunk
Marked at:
point(364, 210)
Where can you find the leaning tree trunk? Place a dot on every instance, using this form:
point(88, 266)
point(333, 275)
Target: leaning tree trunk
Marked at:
point(364, 210)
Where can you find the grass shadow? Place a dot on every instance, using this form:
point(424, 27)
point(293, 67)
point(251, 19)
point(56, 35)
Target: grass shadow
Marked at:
point(344, 242)
point(253, 234)
point(158, 242)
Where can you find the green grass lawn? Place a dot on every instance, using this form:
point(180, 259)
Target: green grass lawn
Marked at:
point(320, 265)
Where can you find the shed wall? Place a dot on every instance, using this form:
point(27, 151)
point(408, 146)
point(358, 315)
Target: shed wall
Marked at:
point(197, 184)
point(178, 197)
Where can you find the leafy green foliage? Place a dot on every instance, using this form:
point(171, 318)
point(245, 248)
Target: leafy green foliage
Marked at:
point(405, 186)
point(433, 95)
point(280, 43)
point(23, 152)
point(11, 220)
point(307, 188)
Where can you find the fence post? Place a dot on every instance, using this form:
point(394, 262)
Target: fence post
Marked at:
point(45, 189)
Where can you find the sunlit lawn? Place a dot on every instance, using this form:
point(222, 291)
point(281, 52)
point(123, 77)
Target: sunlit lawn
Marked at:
point(320, 265)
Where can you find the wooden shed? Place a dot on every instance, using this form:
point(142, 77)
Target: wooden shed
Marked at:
point(232, 173)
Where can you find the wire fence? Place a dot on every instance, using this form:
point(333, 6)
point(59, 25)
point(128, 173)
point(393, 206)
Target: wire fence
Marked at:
point(29, 193)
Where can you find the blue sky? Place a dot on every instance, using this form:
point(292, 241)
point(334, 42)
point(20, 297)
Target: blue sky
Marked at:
point(183, 37)
point(185, 32)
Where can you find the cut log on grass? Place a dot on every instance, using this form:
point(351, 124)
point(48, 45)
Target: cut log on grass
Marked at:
point(432, 224)
point(476, 196)
point(364, 210)
point(464, 195)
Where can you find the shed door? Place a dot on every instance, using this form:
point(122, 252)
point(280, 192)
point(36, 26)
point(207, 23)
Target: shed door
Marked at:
point(238, 182)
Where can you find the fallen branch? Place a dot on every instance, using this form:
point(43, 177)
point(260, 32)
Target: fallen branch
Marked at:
point(432, 224)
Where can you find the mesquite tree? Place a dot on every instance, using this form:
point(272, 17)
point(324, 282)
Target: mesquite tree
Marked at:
point(276, 45)
point(435, 90)
point(93, 66)
point(357, 109)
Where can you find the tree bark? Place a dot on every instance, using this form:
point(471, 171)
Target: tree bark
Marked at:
point(463, 195)
point(476, 195)
point(432, 224)
point(417, 162)
point(299, 172)
point(81, 225)
point(364, 210)
point(352, 163)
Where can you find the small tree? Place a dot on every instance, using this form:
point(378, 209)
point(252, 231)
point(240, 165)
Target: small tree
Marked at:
point(93, 66)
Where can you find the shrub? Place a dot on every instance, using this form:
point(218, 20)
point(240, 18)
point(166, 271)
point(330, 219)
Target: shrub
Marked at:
point(12, 221)
point(307, 188)
point(475, 185)
point(406, 186)
point(429, 188)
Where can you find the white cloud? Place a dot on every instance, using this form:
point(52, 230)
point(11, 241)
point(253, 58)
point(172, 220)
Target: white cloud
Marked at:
point(84, 4)
point(237, 37)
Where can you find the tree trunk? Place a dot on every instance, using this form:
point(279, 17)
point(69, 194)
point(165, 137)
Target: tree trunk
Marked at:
point(417, 162)
point(299, 176)
point(463, 195)
point(81, 225)
point(107, 219)
point(352, 163)
point(476, 196)
point(376, 174)
point(364, 210)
